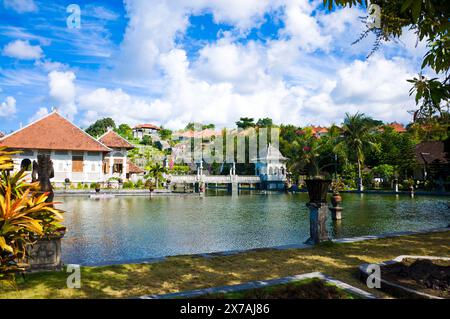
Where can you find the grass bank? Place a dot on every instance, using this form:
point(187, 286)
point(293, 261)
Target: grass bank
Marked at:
point(188, 272)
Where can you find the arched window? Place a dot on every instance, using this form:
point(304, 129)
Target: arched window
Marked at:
point(26, 164)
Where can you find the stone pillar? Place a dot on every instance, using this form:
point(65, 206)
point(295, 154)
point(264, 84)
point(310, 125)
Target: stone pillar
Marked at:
point(336, 213)
point(317, 223)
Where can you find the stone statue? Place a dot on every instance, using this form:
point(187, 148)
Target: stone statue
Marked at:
point(42, 172)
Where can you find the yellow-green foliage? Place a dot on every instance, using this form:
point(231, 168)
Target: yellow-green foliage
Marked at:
point(25, 216)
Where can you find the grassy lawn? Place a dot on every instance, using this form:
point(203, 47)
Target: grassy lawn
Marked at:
point(187, 272)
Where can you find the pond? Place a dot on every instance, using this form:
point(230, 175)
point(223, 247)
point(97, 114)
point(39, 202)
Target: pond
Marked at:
point(133, 228)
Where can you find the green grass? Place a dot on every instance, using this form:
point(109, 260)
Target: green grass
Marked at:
point(190, 272)
point(312, 288)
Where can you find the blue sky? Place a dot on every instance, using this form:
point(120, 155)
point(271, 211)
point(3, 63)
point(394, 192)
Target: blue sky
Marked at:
point(171, 62)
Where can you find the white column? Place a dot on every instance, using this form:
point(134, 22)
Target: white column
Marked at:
point(85, 166)
point(124, 170)
point(110, 168)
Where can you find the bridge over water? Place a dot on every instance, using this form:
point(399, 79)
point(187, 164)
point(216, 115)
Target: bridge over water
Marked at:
point(232, 182)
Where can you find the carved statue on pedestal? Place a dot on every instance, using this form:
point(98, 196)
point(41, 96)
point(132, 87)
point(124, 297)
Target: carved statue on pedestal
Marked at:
point(42, 172)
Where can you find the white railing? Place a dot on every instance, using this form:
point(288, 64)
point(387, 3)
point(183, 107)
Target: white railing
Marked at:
point(220, 179)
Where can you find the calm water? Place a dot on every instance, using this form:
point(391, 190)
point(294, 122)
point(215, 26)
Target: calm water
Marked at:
point(132, 228)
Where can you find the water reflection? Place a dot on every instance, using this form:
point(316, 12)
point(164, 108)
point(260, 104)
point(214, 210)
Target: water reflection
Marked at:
point(132, 228)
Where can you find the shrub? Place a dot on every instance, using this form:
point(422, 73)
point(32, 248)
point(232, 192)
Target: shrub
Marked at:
point(25, 217)
point(128, 184)
point(139, 184)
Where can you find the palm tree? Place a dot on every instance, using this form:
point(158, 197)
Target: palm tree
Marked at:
point(356, 138)
point(156, 171)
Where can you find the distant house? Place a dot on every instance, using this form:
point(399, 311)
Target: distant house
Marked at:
point(319, 131)
point(432, 160)
point(115, 162)
point(134, 172)
point(76, 155)
point(142, 130)
point(397, 127)
point(205, 134)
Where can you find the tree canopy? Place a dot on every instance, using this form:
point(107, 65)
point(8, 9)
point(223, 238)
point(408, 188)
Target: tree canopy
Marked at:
point(100, 127)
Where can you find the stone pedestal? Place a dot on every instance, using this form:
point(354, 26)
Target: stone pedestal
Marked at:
point(45, 255)
point(336, 213)
point(317, 223)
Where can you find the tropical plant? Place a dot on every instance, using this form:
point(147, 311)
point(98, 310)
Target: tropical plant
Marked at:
point(337, 185)
point(309, 158)
point(25, 216)
point(245, 122)
point(156, 171)
point(357, 137)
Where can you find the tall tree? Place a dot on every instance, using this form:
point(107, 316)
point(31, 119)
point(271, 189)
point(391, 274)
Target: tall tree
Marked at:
point(125, 131)
point(245, 122)
point(100, 127)
point(357, 137)
point(265, 122)
point(156, 171)
point(165, 133)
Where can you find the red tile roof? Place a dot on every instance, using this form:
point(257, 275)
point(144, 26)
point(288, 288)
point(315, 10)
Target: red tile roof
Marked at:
point(148, 126)
point(318, 129)
point(399, 128)
point(114, 140)
point(133, 168)
point(52, 132)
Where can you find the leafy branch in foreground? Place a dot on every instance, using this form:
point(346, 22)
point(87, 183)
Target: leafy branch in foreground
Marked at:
point(430, 20)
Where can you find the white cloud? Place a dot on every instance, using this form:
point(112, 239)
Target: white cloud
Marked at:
point(41, 112)
point(99, 12)
point(121, 107)
point(62, 92)
point(302, 28)
point(20, 6)
point(8, 107)
point(22, 50)
point(309, 75)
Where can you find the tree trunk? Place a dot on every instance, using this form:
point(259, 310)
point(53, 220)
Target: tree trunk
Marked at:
point(360, 184)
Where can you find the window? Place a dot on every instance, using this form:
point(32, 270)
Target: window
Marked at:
point(118, 168)
point(93, 154)
point(93, 167)
point(61, 153)
point(74, 153)
point(77, 164)
point(44, 152)
point(27, 153)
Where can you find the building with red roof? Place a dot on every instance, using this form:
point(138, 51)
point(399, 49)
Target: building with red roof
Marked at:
point(76, 155)
point(141, 130)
